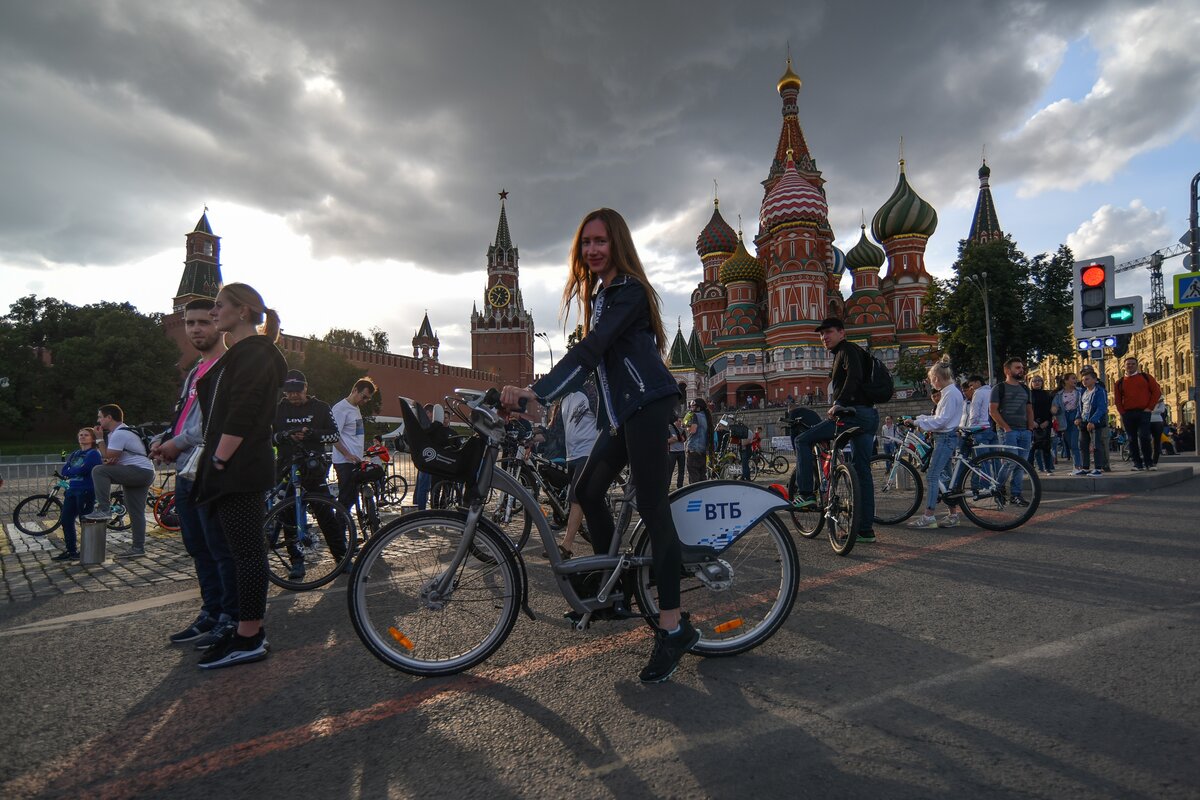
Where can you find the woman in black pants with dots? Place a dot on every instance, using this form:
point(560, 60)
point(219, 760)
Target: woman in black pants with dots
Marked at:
point(238, 398)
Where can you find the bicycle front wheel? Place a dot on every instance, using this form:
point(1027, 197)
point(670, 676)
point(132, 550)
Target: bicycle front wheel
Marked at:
point(406, 622)
point(1008, 494)
point(38, 515)
point(898, 489)
point(309, 547)
point(808, 523)
point(395, 489)
point(120, 519)
point(742, 598)
point(368, 520)
point(843, 510)
point(780, 465)
point(165, 514)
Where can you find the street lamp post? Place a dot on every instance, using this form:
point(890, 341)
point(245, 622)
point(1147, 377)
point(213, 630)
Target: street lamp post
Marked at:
point(980, 282)
point(545, 337)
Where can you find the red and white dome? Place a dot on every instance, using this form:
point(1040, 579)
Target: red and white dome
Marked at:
point(792, 199)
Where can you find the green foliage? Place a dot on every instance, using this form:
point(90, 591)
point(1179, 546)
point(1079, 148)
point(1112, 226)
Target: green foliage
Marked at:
point(1030, 304)
point(912, 367)
point(102, 353)
point(574, 336)
point(376, 341)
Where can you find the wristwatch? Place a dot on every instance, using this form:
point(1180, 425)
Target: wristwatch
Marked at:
point(218, 461)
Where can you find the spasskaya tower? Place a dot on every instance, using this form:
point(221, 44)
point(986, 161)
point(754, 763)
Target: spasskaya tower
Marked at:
point(502, 332)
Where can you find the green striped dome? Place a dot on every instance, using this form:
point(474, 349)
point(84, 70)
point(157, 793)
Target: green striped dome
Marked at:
point(903, 213)
point(741, 266)
point(864, 254)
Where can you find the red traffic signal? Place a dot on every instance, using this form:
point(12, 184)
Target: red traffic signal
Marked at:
point(1092, 275)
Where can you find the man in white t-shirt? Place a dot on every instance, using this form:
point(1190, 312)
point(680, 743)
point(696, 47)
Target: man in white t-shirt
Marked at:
point(348, 449)
point(126, 463)
point(578, 412)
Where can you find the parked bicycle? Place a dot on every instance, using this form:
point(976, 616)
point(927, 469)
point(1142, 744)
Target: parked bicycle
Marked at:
point(310, 537)
point(839, 504)
point(437, 592)
point(40, 514)
point(979, 480)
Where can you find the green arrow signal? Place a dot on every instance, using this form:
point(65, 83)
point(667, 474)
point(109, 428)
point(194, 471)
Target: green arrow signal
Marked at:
point(1120, 313)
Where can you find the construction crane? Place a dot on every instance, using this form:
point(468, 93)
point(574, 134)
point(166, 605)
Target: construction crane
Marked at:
point(1158, 297)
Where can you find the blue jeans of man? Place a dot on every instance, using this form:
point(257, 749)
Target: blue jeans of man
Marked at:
point(861, 447)
point(745, 447)
point(421, 491)
point(75, 505)
point(1071, 434)
point(1023, 440)
point(205, 543)
point(1137, 428)
point(944, 445)
point(983, 437)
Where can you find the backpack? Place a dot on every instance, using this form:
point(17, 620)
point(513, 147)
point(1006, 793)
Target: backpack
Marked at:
point(144, 437)
point(878, 386)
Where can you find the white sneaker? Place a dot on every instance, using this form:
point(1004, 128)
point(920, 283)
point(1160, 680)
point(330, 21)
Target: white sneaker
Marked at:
point(948, 521)
point(924, 522)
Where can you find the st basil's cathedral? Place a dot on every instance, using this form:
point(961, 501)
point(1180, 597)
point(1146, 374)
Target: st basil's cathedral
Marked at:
point(754, 316)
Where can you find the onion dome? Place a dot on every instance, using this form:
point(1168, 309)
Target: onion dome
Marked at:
point(792, 199)
point(864, 254)
point(717, 236)
point(789, 78)
point(985, 171)
point(839, 263)
point(741, 266)
point(903, 213)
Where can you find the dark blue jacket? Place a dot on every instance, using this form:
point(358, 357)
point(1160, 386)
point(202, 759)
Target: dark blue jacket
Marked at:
point(621, 350)
point(78, 470)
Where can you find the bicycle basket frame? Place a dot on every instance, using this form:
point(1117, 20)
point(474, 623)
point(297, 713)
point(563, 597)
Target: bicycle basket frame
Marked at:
point(435, 450)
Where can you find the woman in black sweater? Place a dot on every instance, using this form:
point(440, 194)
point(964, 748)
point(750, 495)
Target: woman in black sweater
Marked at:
point(237, 399)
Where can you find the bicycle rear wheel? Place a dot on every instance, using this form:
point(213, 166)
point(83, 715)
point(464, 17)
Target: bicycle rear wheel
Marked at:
point(164, 512)
point(898, 489)
point(994, 505)
point(745, 600)
point(446, 494)
point(402, 620)
point(395, 489)
point(310, 547)
point(38, 515)
point(120, 519)
point(843, 510)
point(780, 464)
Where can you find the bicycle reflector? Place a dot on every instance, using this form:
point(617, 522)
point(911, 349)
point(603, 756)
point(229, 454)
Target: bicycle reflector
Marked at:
point(732, 624)
point(404, 641)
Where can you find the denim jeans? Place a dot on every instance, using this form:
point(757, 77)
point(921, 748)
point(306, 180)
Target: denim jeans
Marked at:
point(1137, 427)
point(745, 455)
point(861, 447)
point(1094, 441)
point(421, 490)
point(1023, 440)
point(1071, 434)
point(983, 437)
point(75, 505)
point(205, 543)
point(944, 445)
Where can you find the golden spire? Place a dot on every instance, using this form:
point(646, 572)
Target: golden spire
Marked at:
point(789, 78)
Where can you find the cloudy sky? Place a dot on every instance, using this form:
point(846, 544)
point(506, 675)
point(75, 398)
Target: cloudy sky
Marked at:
point(350, 153)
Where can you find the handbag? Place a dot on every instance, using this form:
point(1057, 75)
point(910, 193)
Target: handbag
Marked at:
point(191, 465)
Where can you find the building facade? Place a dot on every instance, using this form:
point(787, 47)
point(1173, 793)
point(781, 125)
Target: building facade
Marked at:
point(754, 314)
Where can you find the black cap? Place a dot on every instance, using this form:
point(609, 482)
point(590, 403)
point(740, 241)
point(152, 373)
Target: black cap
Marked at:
point(830, 322)
point(295, 381)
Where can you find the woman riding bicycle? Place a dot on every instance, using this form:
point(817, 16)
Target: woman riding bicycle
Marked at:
point(623, 347)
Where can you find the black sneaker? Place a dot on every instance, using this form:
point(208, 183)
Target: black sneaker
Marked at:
point(668, 649)
point(1019, 501)
point(236, 650)
point(132, 552)
point(203, 624)
point(221, 630)
point(65, 556)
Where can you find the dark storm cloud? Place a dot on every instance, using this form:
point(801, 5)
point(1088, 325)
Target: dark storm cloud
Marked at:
point(384, 129)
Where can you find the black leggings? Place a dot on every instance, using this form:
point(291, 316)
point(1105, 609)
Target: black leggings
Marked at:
point(638, 443)
point(241, 516)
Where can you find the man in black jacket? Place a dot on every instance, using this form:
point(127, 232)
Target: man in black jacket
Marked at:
point(850, 368)
point(305, 424)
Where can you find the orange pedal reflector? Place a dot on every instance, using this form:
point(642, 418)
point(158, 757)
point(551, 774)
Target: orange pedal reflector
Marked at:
point(407, 642)
point(724, 627)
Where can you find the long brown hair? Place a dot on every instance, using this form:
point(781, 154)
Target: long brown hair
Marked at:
point(245, 295)
point(581, 282)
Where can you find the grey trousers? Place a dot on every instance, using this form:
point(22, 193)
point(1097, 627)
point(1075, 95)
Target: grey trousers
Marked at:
point(136, 482)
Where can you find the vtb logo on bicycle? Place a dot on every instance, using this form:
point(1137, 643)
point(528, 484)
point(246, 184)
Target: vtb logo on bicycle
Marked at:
point(730, 510)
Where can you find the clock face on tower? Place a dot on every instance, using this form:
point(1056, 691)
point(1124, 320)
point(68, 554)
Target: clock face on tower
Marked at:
point(499, 296)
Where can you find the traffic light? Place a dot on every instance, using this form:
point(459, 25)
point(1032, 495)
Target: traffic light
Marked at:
point(1099, 313)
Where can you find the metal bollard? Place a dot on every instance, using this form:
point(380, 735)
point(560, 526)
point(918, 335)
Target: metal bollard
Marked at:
point(93, 541)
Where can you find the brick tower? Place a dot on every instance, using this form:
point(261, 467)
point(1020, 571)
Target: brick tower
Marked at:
point(502, 333)
point(201, 265)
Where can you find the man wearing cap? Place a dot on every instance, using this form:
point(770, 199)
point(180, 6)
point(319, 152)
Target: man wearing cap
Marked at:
point(850, 366)
point(305, 424)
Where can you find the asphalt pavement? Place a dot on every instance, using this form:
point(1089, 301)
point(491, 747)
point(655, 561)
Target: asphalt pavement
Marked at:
point(1056, 661)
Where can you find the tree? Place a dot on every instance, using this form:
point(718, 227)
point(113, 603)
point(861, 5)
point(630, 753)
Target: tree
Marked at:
point(1030, 304)
point(329, 375)
point(574, 336)
point(343, 337)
